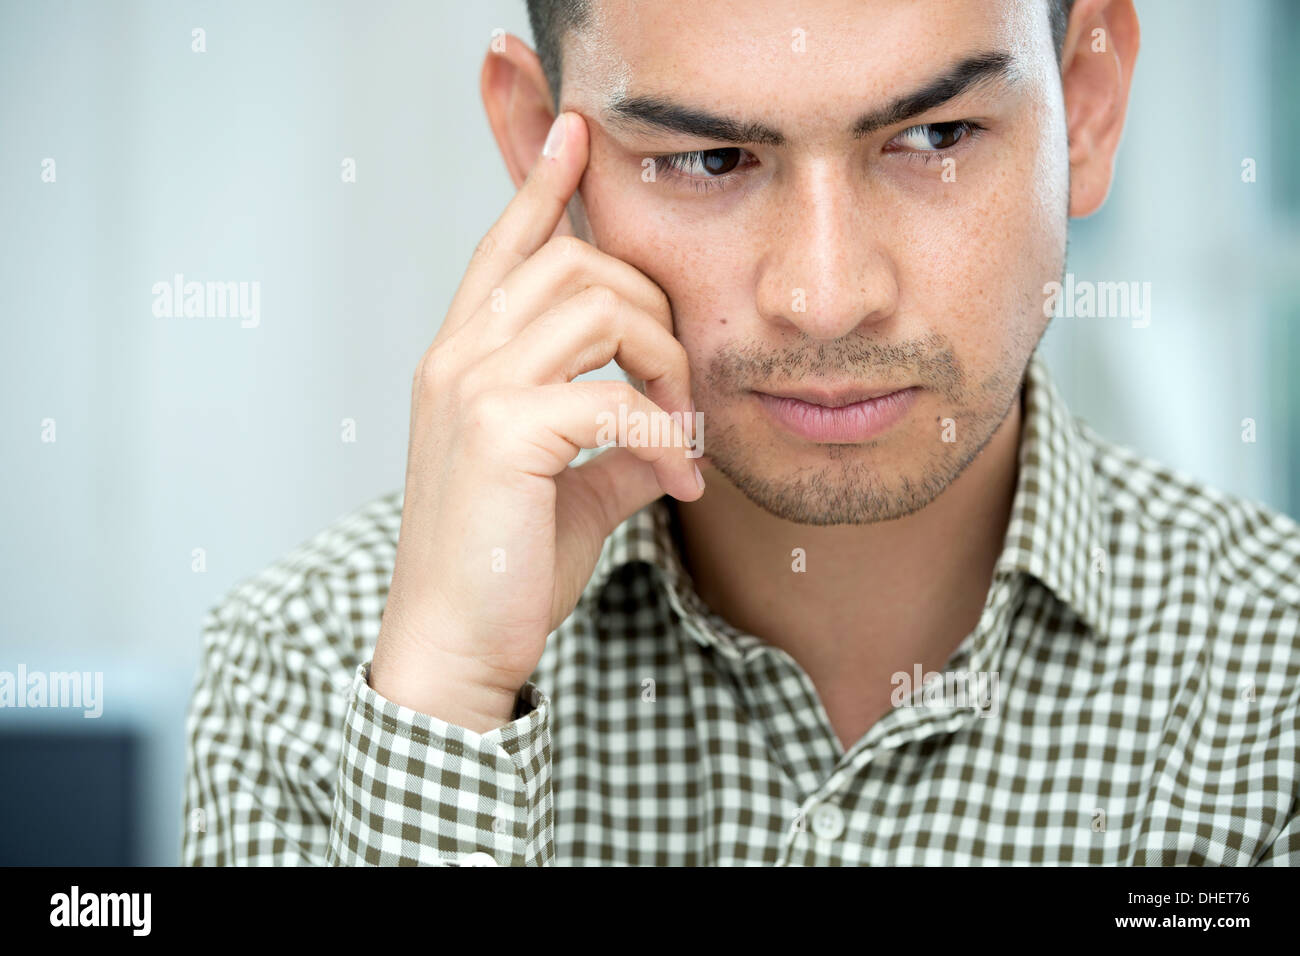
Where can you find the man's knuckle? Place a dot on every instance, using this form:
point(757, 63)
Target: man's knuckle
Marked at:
point(490, 412)
point(430, 374)
point(566, 249)
point(487, 246)
point(680, 358)
point(466, 385)
point(604, 303)
point(661, 306)
point(626, 394)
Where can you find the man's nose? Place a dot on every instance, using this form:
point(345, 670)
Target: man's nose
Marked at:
point(827, 268)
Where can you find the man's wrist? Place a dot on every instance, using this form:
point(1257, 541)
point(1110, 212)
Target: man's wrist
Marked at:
point(438, 694)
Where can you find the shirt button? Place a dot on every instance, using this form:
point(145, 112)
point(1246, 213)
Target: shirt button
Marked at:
point(828, 821)
point(479, 859)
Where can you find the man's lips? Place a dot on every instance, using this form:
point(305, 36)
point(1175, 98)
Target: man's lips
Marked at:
point(833, 398)
point(841, 416)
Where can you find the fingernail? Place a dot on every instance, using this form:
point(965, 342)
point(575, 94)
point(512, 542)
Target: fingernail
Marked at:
point(699, 478)
point(555, 138)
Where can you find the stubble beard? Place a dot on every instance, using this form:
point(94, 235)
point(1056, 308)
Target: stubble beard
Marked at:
point(849, 485)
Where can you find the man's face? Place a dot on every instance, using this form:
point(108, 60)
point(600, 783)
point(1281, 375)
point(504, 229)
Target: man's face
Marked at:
point(826, 254)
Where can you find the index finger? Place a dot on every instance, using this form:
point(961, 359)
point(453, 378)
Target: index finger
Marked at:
point(529, 219)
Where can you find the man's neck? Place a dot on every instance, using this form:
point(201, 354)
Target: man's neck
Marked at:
point(874, 599)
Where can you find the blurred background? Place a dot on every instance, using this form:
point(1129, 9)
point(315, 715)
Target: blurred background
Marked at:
point(172, 435)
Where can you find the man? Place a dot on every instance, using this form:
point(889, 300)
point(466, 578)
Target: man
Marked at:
point(870, 595)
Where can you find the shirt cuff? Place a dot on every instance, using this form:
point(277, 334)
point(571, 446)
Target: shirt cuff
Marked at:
point(413, 789)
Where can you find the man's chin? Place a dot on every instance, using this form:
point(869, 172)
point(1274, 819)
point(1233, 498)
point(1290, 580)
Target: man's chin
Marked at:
point(823, 492)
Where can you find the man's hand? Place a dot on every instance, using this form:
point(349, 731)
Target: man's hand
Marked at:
point(499, 535)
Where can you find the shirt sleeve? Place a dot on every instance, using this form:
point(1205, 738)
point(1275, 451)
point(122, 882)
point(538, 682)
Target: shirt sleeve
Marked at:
point(289, 762)
point(416, 790)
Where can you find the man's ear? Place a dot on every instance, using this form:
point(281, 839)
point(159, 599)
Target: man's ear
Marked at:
point(520, 110)
point(1097, 63)
point(518, 103)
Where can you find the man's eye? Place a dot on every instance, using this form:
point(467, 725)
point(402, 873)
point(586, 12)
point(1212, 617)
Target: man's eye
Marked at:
point(935, 137)
point(703, 163)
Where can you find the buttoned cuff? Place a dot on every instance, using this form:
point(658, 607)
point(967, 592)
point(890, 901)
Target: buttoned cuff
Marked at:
point(415, 790)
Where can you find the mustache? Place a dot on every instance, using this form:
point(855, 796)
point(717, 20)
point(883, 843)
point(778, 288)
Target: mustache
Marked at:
point(928, 361)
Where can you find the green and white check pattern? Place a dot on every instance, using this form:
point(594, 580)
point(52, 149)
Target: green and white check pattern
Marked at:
point(1145, 631)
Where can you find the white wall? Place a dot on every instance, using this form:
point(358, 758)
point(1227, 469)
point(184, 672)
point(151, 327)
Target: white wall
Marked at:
point(1180, 217)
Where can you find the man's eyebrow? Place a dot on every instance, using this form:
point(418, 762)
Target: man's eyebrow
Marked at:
point(674, 117)
point(969, 73)
point(664, 114)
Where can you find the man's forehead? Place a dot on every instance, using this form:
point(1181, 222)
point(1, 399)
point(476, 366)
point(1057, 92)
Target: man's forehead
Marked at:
point(732, 51)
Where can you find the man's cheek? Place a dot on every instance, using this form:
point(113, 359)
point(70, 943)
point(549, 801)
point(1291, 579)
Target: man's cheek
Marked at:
point(628, 226)
point(623, 227)
point(698, 265)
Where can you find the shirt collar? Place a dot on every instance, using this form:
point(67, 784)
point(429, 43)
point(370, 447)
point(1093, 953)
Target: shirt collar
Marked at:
point(1056, 532)
point(1054, 535)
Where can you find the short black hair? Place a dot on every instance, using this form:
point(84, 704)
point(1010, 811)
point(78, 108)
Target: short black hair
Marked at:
point(552, 20)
